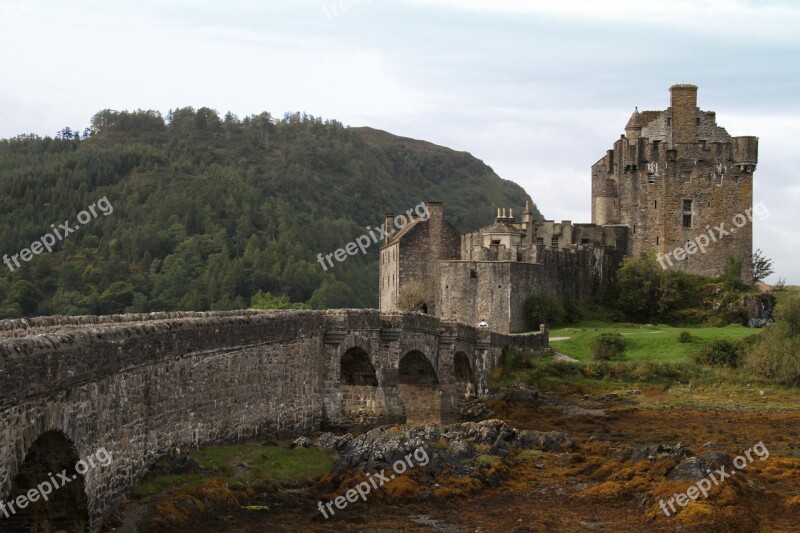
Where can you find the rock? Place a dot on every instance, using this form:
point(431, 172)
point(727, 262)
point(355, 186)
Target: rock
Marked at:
point(520, 395)
point(380, 447)
point(549, 441)
point(692, 470)
point(302, 442)
point(657, 452)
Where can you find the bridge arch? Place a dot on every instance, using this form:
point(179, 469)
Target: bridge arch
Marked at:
point(419, 388)
point(49, 466)
point(463, 374)
point(358, 385)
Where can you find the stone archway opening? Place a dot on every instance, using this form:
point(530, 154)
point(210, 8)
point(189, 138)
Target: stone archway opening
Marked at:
point(358, 385)
point(419, 389)
point(48, 466)
point(463, 374)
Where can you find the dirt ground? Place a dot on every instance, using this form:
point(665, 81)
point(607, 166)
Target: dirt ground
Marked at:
point(595, 487)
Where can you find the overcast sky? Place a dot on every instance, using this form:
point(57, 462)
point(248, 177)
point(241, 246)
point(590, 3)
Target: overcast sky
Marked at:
point(538, 90)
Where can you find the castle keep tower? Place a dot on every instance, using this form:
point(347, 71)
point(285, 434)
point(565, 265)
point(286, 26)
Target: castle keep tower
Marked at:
point(675, 175)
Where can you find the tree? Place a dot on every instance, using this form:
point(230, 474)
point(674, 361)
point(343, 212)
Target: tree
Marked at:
point(333, 295)
point(267, 300)
point(646, 290)
point(26, 295)
point(762, 266)
point(116, 297)
point(412, 297)
point(543, 309)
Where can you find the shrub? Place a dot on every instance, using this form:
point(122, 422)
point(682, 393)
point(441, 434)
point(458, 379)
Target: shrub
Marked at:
point(719, 352)
point(775, 356)
point(544, 309)
point(646, 291)
point(573, 313)
point(608, 346)
point(787, 314)
point(684, 337)
point(511, 360)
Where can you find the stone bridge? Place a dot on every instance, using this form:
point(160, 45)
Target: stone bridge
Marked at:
point(140, 386)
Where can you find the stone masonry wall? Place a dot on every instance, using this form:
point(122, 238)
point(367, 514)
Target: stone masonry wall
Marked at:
point(141, 390)
point(142, 385)
point(495, 291)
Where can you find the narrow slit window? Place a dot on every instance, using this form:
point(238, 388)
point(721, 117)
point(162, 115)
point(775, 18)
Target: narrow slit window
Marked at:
point(687, 213)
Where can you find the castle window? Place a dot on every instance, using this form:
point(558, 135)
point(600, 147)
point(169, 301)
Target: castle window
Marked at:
point(687, 178)
point(656, 240)
point(655, 204)
point(473, 273)
point(554, 242)
point(655, 145)
point(496, 243)
point(540, 240)
point(634, 229)
point(669, 121)
point(687, 213)
point(698, 121)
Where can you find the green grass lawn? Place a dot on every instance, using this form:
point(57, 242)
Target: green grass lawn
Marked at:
point(247, 464)
point(643, 342)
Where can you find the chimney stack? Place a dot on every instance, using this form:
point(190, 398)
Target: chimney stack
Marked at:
point(389, 229)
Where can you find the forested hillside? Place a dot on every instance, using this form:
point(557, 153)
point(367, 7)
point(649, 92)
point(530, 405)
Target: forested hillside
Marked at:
point(215, 212)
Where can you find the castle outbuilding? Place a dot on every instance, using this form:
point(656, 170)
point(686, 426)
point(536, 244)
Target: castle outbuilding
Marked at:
point(671, 177)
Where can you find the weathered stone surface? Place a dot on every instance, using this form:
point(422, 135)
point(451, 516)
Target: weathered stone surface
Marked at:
point(450, 444)
point(143, 385)
point(666, 158)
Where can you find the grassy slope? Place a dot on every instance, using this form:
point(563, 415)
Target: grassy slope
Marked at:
point(644, 342)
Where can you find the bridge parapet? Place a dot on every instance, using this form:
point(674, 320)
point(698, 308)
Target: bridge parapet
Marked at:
point(142, 385)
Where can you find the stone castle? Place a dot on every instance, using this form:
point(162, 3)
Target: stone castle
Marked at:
point(672, 176)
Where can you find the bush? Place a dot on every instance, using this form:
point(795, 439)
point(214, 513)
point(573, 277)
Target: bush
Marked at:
point(573, 313)
point(775, 357)
point(775, 354)
point(684, 337)
point(787, 314)
point(608, 346)
point(544, 309)
point(511, 360)
point(719, 352)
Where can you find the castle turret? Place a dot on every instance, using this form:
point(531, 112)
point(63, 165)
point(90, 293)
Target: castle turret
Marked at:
point(745, 153)
point(633, 130)
point(606, 204)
